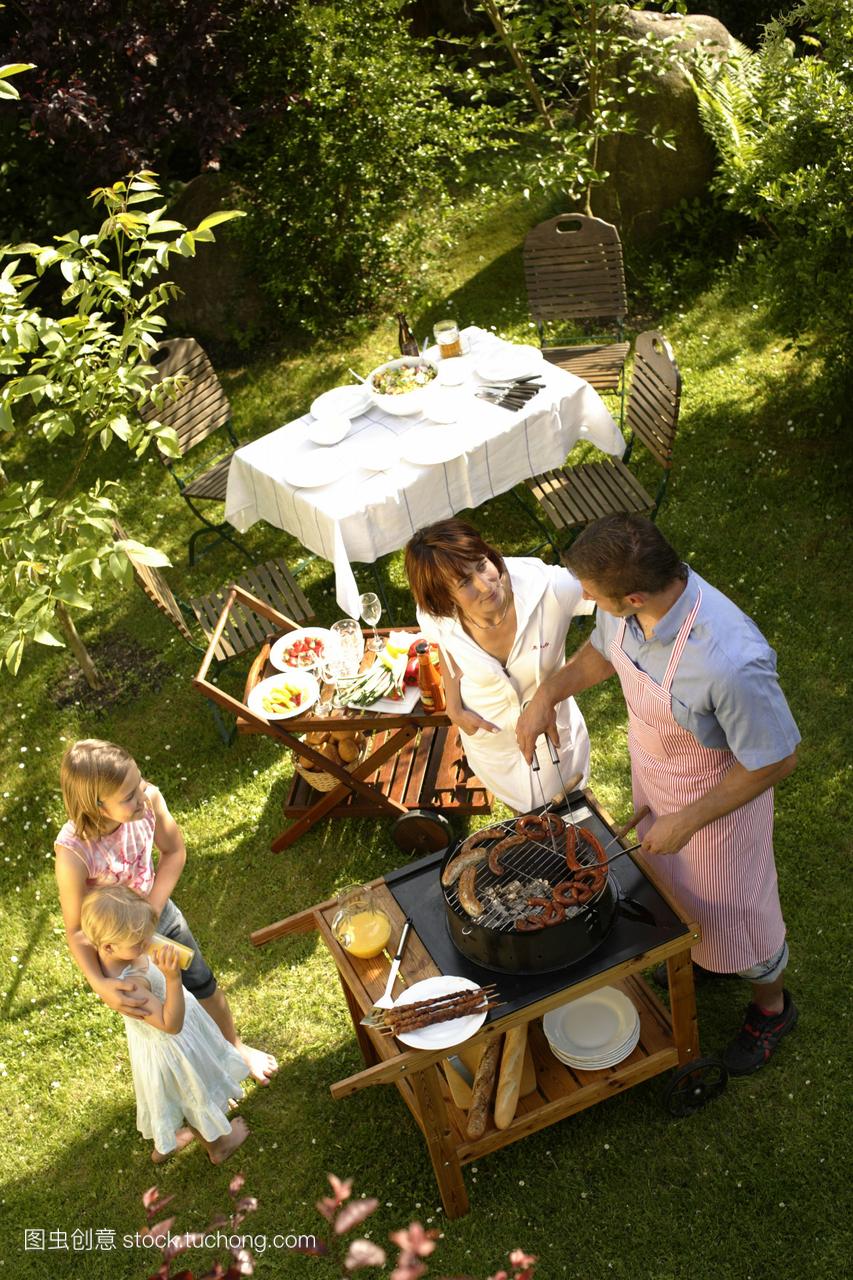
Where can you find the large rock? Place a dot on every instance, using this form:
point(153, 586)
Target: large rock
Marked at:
point(221, 304)
point(646, 180)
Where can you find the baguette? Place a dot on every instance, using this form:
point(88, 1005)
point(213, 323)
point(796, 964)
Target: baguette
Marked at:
point(481, 1094)
point(471, 1055)
point(528, 1073)
point(460, 1090)
point(509, 1081)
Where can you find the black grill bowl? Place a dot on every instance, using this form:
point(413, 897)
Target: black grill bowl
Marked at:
point(544, 951)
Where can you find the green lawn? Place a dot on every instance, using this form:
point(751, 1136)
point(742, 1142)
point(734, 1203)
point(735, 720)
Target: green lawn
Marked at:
point(756, 1185)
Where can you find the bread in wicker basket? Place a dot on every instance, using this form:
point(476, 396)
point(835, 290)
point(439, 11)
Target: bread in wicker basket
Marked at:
point(346, 747)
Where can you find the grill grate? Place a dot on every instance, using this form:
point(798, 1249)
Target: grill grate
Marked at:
point(533, 865)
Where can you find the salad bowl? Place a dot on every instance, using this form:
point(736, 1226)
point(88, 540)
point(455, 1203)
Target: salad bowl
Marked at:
point(398, 386)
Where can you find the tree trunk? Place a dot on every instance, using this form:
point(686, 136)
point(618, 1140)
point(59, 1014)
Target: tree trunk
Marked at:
point(77, 646)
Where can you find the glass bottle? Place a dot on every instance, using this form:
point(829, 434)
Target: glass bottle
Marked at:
point(429, 681)
point(185, 953)
point(405, 337)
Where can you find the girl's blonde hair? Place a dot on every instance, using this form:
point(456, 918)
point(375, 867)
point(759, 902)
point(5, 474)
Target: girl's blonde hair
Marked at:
point(90, 770)
point(117, 914)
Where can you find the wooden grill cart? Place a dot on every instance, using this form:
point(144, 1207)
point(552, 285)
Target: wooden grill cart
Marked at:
point(668, 1038)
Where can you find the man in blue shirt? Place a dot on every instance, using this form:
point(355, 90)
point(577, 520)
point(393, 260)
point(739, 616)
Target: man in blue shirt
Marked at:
point(710, 734)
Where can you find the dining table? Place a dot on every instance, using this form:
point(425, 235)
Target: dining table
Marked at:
point(364, 497)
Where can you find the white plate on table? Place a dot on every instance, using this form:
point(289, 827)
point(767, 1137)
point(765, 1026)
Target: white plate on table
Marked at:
point(427, 446)
point(351, 401)
point(312, 468)
point(504, 362)
point(278, 652)
point(296, 676)
point(593, 1027)
point(376, 455)
point(442, 1035)
point(441, 404)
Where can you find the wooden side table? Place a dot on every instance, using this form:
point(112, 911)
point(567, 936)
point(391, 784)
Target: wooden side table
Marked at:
point(417, 755)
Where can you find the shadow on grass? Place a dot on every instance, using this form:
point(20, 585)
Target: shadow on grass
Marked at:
point(97, 1179)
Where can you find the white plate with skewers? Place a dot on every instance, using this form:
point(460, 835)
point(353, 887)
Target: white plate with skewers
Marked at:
point(441, 1035)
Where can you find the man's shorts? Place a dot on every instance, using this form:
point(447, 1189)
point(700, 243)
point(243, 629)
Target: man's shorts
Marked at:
point(768, 970)
point(197, 977)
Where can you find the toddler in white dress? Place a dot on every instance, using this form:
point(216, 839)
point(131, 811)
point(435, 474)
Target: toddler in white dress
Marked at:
point(185, 1073)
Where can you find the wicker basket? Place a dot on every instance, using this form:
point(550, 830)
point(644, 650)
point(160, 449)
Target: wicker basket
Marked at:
point(321, 781)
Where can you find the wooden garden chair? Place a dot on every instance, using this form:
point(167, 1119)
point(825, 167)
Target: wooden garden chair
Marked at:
point(200, 409)
point(272, 582)
point(573, 271)
point(572, 497)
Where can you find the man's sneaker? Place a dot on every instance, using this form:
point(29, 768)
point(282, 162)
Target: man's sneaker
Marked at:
point(659, 974)
point(755, 1043)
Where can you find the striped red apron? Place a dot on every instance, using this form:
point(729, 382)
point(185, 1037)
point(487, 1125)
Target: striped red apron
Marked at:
point(725, 876)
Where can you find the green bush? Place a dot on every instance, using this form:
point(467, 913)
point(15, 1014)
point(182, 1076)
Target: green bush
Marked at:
point(359, 129)
point(783, 125)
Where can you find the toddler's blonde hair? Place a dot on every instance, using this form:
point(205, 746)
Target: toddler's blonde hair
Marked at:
point(117, 914)
point(91, 769)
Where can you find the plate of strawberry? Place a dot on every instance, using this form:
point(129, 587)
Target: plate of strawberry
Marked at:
point(306, 647)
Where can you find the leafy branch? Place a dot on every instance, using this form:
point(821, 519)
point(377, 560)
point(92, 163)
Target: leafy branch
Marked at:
point(80, 378)
point(579, 66)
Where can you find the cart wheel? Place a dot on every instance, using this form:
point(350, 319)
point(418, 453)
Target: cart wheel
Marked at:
point(694, 1085)
point(422, 831)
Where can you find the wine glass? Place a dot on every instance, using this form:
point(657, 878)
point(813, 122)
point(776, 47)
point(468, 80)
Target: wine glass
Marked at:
point(371, 611)
point(330, 670)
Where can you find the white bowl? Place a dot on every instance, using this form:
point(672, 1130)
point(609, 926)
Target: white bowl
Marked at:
point(330, 429)
point(407, 402)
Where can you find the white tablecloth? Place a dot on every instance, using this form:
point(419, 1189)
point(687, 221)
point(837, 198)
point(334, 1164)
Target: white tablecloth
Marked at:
point(363, 516)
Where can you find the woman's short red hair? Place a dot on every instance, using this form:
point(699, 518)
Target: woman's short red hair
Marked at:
point(438, 556)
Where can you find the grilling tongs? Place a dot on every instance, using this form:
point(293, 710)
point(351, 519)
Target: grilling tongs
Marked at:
point(618, 834)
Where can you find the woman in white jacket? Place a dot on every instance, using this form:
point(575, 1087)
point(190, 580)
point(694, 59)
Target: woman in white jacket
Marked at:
point(501, 629)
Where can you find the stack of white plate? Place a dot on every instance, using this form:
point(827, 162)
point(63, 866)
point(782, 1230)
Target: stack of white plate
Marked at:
point(595, 1031)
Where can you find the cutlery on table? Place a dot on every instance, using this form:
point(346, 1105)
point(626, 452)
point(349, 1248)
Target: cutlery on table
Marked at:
point(512, 398)
point(386, 1000)
point(530, 380)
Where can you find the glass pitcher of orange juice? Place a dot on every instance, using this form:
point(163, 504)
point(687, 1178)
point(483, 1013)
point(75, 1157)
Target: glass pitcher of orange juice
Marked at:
point(360, 924)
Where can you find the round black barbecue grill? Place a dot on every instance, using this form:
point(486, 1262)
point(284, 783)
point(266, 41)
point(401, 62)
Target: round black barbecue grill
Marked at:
point(532, 869)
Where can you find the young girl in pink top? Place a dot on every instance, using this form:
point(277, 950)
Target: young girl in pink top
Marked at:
point(114, 821)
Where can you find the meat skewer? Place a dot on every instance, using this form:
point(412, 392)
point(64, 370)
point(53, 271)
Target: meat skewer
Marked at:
point(424, 1013)
point(443, 1015)
point(435, 1002)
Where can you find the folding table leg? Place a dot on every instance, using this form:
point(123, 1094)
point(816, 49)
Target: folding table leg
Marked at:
point(440, 1141)
point(368, 1053)
point(328, 802)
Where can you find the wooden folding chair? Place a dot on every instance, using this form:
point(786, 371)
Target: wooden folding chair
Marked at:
point(200, 409)
point(573, 271)
point(272, 582)
point(572, 497)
